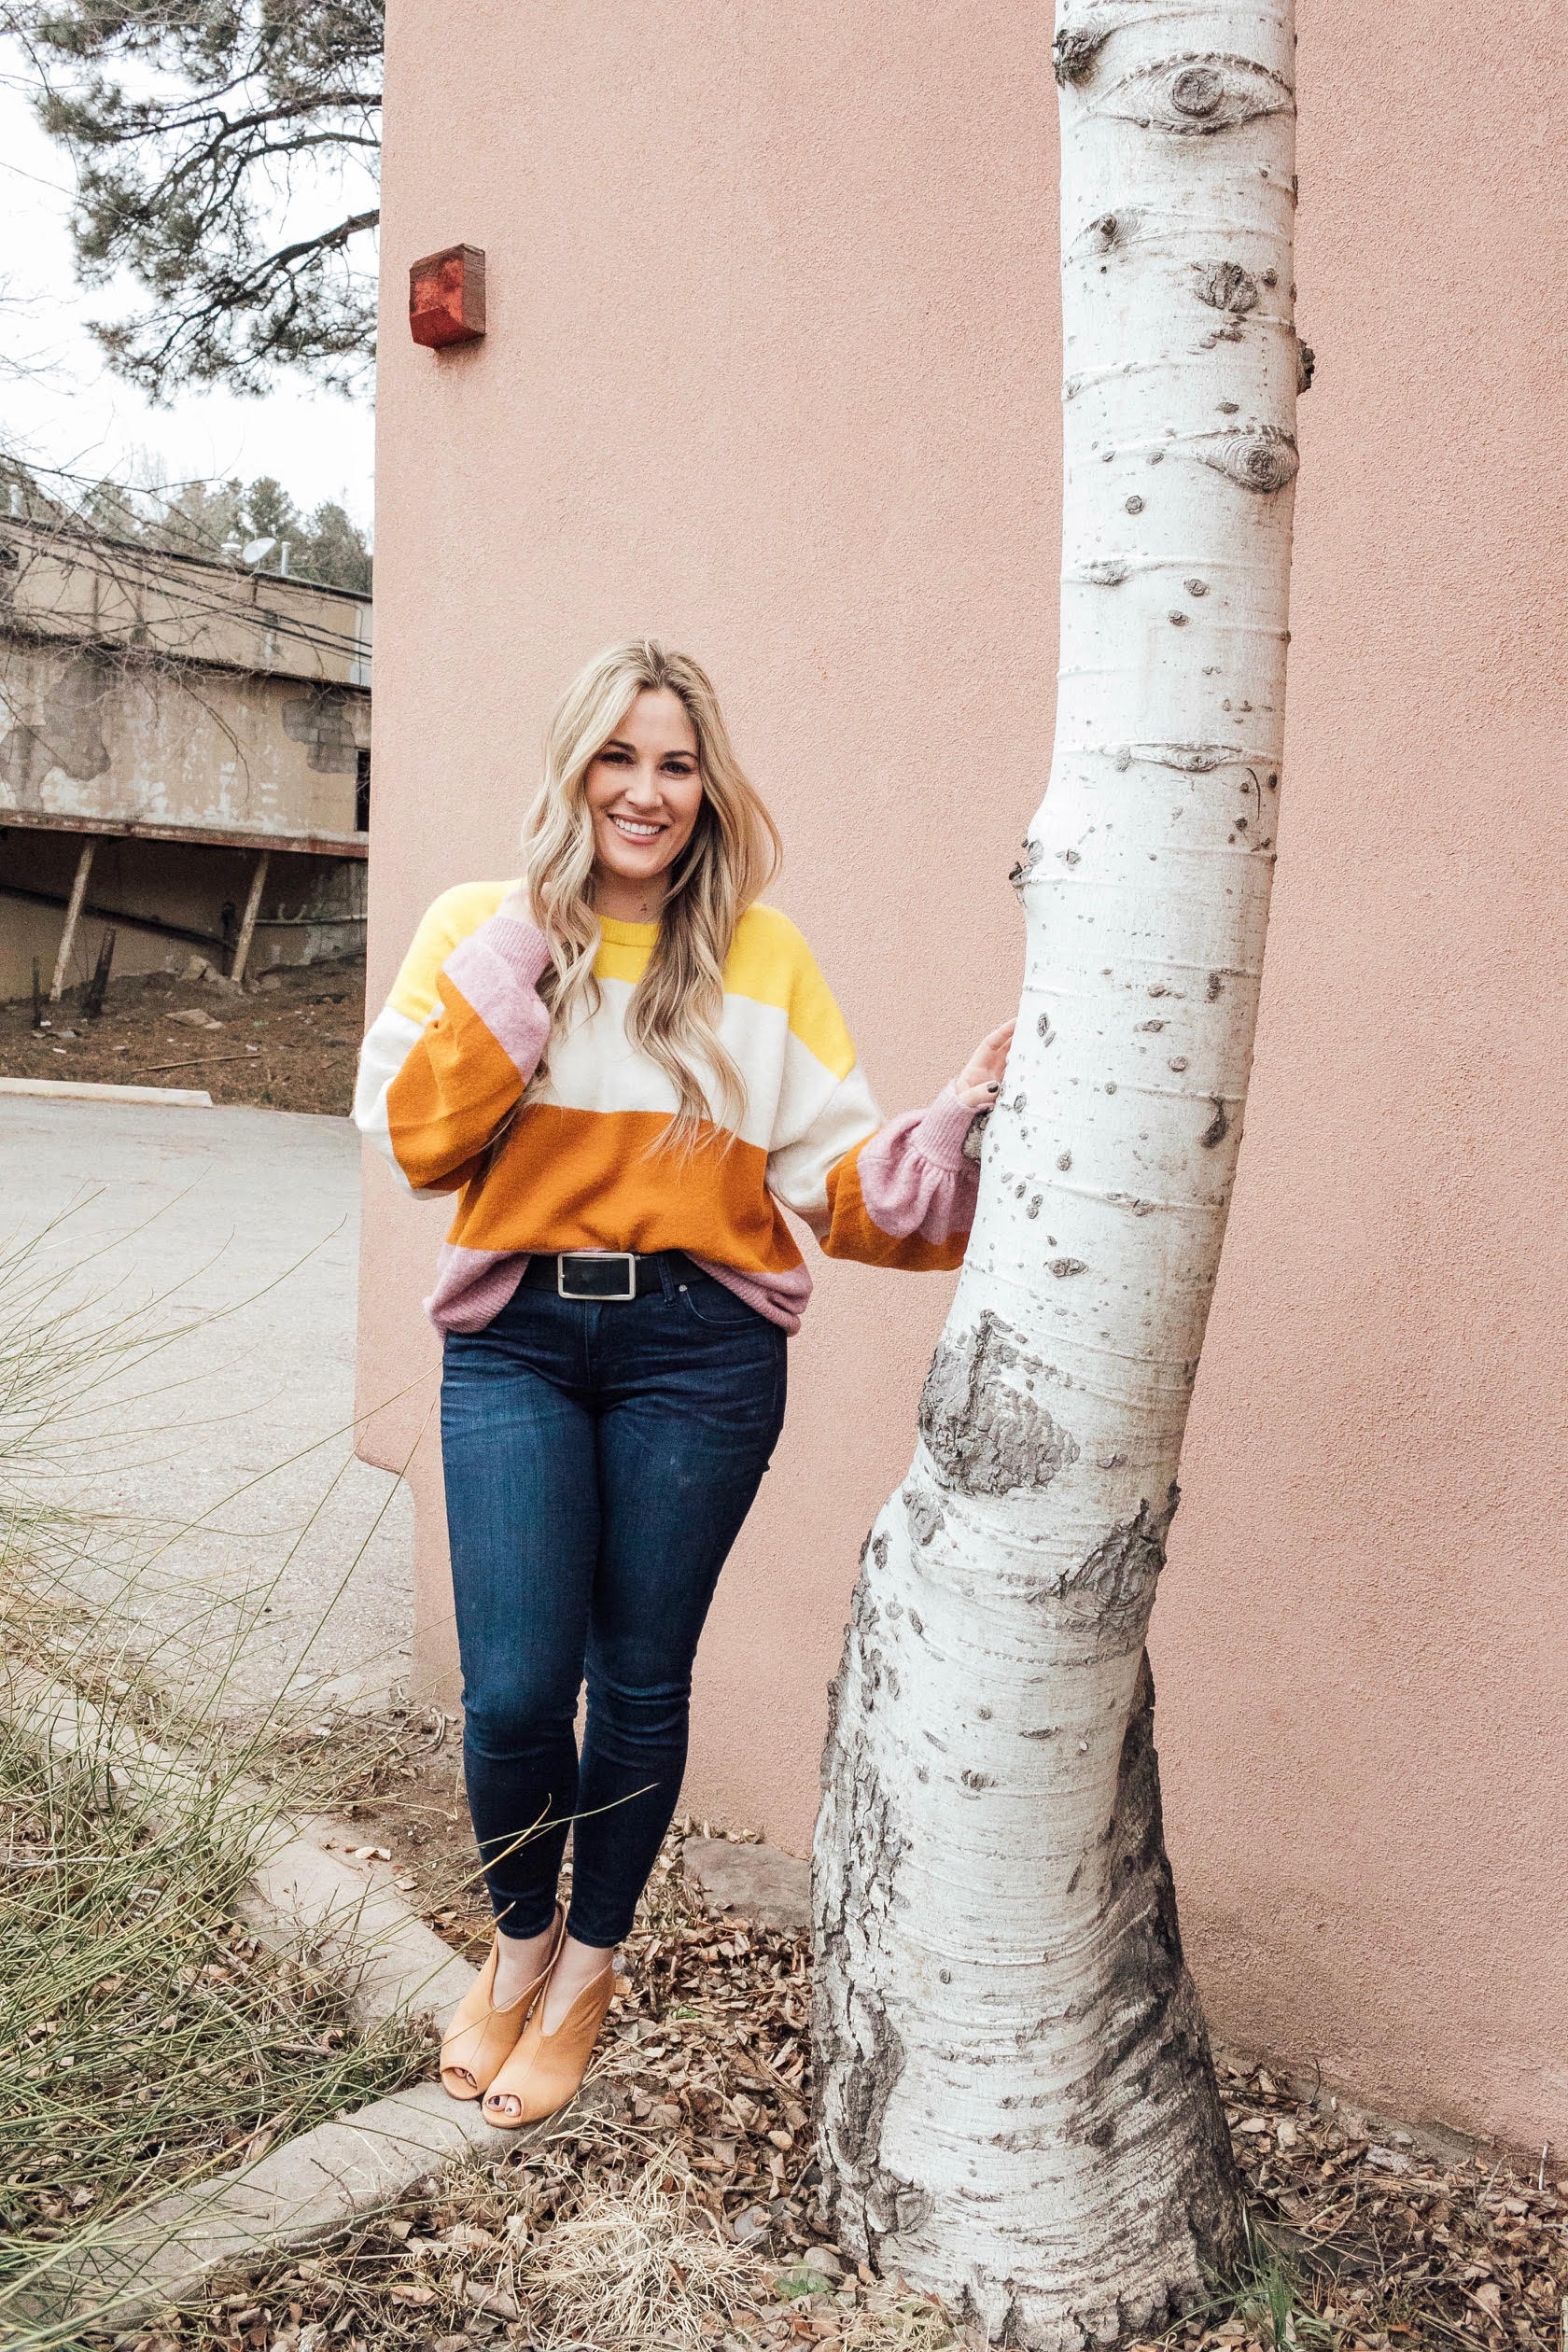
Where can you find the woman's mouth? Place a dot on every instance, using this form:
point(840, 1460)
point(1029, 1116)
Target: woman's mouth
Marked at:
point(634, 827)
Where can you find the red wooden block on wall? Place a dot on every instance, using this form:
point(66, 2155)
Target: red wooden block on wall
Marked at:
point(446, 297)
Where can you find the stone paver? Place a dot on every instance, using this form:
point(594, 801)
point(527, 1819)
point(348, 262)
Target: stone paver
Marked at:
point(755, 1881)
point(319, 2183)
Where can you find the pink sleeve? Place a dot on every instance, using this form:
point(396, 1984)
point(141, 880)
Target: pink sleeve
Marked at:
point(496, 970)
point(914, 1178)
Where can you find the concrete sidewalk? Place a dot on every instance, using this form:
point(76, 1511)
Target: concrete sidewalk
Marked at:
point(225, 1505)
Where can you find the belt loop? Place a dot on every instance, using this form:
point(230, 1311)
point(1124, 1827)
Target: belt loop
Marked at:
point(666, 1273)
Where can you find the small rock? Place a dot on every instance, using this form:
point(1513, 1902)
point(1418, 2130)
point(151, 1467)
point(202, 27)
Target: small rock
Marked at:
point(274, 980)
point(751, 2227)
point(1389, 2159)
point(197, 968)
point(194, 1017)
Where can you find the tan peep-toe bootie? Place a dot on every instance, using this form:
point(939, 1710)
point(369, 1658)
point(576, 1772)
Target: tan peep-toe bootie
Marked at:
point(545, 2070)
point(481, 2036)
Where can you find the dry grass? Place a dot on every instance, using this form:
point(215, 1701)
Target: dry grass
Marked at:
point(145, 2038)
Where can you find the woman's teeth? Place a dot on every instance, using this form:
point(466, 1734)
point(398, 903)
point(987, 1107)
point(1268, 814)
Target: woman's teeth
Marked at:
point(634, 832)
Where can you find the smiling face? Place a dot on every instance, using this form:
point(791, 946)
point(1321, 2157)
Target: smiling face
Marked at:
point(644, 791)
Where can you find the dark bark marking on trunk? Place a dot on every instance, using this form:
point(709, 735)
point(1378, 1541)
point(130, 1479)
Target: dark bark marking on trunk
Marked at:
point(1198, 94)
point(1124, 1566)
point(1225, 286)
point(859, 2053)
point(923, 1509)
point(1019, 875)
point(1262, 457)
point(984, 1428)
point(1155, 2049)
point(1075, 50)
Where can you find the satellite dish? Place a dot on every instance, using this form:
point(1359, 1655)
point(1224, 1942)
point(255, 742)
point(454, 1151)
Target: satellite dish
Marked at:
point(257, 550)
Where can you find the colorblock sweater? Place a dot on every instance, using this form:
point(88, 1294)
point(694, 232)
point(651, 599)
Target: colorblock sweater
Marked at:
point(450, 1088)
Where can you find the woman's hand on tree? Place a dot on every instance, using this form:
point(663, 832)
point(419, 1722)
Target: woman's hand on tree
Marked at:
point(979, 1082)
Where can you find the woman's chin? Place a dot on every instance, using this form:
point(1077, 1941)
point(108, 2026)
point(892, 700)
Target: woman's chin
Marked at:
point(624, 867)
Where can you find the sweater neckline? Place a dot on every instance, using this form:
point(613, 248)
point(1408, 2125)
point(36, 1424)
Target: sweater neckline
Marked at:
point(627, 934)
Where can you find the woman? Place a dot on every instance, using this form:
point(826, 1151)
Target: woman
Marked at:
point(627, 1068)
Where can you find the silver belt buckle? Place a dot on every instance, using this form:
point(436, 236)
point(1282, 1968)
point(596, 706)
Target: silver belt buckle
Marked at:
point(600, 1257)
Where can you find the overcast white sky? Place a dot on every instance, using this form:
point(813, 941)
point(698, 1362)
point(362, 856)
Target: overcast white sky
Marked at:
point(84, 420)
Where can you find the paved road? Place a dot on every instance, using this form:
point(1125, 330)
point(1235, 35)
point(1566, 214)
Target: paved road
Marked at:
point(225, 1508)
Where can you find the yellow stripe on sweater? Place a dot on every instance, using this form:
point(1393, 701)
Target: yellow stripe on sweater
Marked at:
point(769, 962)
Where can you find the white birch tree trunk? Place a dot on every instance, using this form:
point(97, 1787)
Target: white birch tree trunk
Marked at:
point(1019, 2107)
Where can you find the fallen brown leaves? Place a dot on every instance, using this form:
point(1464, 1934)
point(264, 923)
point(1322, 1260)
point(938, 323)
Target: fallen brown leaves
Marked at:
point(673, 2206)
point(676, 2206)
point(1372, 2241)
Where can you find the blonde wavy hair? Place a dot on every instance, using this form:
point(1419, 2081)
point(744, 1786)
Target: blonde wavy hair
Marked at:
point(732, 855)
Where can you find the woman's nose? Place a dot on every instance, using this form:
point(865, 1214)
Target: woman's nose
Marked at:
point(643, 788)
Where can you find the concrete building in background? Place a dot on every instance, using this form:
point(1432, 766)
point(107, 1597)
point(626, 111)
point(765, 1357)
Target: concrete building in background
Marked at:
point(183, 755)
point(771, 367)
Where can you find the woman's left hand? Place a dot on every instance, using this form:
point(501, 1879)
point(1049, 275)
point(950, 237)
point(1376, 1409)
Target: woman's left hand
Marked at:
point(979, 1082)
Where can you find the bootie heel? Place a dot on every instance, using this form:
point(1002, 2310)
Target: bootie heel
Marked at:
point(481, 2036)
point(545, 2070)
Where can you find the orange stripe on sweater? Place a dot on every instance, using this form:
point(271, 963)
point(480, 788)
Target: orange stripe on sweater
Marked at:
point(853, 1233)
point(450, 1097)
point(587, 1180)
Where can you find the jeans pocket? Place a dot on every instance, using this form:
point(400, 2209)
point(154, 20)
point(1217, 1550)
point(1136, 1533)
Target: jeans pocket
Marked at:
point(716, 1304)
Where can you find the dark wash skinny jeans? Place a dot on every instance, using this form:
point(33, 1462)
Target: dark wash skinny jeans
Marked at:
point(600, 1458)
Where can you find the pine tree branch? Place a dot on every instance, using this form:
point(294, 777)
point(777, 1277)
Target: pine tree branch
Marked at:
point(183, 194)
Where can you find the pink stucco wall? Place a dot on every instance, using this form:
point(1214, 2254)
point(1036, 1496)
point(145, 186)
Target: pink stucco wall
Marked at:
point(772, 370)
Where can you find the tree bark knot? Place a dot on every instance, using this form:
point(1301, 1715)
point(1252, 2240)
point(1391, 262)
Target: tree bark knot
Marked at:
point(1075, 50)
point(1199, 94)
point(1262, 457)
point(986, 1428)
point(1122, 1569)
point(1225, 286)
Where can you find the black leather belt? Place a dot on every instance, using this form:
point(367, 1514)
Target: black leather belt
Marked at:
point(607, 1275)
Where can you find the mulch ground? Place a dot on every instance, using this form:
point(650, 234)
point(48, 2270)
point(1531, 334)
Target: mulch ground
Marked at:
point(288, 1041)
point(678, 2203)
